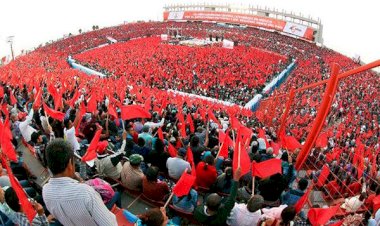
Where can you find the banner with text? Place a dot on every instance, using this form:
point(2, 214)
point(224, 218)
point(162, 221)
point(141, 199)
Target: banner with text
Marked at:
point(245, 19)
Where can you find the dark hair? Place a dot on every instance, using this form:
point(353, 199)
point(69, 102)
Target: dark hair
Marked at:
point(208, 160)
point(58, 155)
point(159, 146)
point(66, 122)
point(152, 173)
point(194, 141)
point(213, 202)
point(255, 203)
point(302, 184)
point(12, 199)
point(152, 217)
point(141, 142)
point(287, 215)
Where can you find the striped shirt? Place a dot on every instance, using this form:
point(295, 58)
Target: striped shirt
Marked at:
point(76, 204)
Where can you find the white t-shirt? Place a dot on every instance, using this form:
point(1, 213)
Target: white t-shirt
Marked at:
point(71, 138)
point(240, 216)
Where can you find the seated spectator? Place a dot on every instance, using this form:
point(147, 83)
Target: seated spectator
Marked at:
point(245, 193)
point(152, 187)
point(247, 214)
point(213, 212)
point(293, 195)
point(153, 217)
point(109, 165)
point(266, 154)
point(206, 172)
point(224, 181)
point(131, 174)
point(272, 188)
point(177, 165)
point(20, 217)
point(141, 148)
point(146, 136)
point(7, 215)
point(39, 144)
point(186, 203)
point(287, 216)
point(71, 202)
point(158, 156)
point(109, 196)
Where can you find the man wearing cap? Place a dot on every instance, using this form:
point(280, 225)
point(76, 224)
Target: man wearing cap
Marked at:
point(109, 165)
point(177, 165)
point(131, 174)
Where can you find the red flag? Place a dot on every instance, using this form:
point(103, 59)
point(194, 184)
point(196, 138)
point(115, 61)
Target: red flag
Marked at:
point(213, 118)
point(134, 111)
point(160, 134)
point(263, 136)
point(235, 124)
point(58, 101)
point(302, 201)
point(13, 98)
point(321, 141)
point(338, 223)
point(266, 168)
point(112, 111)
point(172, 151)
point(37, 99)
point(4, 108)
point(320, 216)
point(289, 142)
point(6, 141)
point(323, 176)
point(92, 104)
point(72, 100)
point(221, 136)
point(27, 207)
point(189, 155)
point(245, 162)
point(53, 113)
point(224, 147)
point(184, 184)
point(1, 91)
point(191, 123)
point(91, 150)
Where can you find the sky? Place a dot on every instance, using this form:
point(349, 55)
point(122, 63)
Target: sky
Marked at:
point(350, 27)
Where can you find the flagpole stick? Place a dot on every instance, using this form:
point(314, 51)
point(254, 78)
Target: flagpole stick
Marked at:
point(167, 201)
point(253, 186)
point(239, 154)
point(220, 148)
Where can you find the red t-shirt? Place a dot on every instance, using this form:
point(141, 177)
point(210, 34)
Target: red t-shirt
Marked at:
point(205, 177)
point(155, 190)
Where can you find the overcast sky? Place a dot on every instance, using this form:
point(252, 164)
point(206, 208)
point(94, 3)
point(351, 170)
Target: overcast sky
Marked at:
point(350, 27)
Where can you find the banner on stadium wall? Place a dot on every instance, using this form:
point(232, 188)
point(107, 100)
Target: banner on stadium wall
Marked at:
point(164, 37)
point(228, 44)
point(239, 18)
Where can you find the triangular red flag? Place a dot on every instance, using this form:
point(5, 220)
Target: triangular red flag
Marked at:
point(91, 150)
point(320, 216)
point(221, 136)
point(112, 111)
point(235, 124)
point(6, 141)
point(134, 111)
point(302, 201)
point(27, 207)
point(172, 151)
point(92, 104)
point(266, 168)
point(54, 114)
point(184, 184)
point(189, 155)
point(37, 99)
point(191, 123)
point(160, 134)
point(245, 162)
point(323, 175)
point(213, 118)
point(4, 108)
point(12, 98)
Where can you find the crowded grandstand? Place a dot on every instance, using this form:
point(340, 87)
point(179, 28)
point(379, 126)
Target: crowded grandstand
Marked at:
point(209, 117)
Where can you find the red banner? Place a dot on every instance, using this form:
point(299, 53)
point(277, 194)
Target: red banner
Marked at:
point(246, 19)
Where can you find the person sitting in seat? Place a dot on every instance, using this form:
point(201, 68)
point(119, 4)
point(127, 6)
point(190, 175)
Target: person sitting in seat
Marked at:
point(247, 214)
point(177, 165)
point(186, 203)
point(293, 195)
point(206, 172)
point(131, 174)
point(152, 187)
point(213, 212)
point(109, 165)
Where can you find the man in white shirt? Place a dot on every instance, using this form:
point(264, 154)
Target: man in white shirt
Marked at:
point(72, 203)
point(25, 128)
point(246, 214)
point(69, 131)
point(177, 165)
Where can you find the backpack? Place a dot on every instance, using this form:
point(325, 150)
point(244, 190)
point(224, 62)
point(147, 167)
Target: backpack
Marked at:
point(103, 188)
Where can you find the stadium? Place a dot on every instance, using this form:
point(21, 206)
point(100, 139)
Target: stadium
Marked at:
point(216, 115)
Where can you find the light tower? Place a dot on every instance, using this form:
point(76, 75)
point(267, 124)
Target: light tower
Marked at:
point(10, 41)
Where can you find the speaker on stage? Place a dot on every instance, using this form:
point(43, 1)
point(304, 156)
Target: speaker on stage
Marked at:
point(210, 38)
